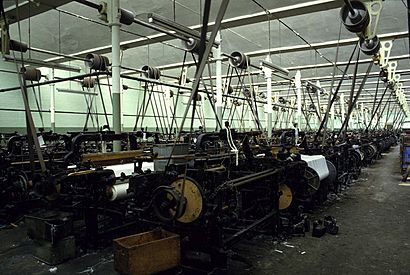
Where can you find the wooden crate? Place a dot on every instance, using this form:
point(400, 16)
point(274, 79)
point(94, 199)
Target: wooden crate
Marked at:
point(147, 253)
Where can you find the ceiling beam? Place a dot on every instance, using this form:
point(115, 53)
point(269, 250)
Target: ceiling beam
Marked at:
point(28, 9)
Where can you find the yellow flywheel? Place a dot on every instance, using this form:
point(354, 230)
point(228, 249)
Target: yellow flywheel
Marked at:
point(190, 189)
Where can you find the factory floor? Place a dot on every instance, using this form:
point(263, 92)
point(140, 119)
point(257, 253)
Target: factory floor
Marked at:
point(374, 237)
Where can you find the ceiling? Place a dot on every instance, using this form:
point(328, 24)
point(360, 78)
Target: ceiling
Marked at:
point(62, 32)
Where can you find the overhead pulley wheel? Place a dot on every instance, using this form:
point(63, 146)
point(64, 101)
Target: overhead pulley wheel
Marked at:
point(30, 73)
point(126, 17)
point(239, 60)
point(247, 93)
point(282, 100)
point(198, 97)
point(18, 46)
point(88, 82)
point(369, 46)
point(168, 203)
point(151, 72)
point(97, 62)
point(355, 16)
point(236, 102)
point(191, 45)
point(384, 74)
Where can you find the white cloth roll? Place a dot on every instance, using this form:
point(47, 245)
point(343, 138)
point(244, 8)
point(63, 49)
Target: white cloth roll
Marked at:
point(128, 168)
point(119, 191)
point(318, 163)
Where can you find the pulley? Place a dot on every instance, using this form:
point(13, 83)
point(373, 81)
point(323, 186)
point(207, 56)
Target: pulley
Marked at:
point(191, 45)
point(312, 107)
point(194, 199)
point(239, 60)
point(198, 97)
point(282, 100)
point(168, 203)
point(127, 17)
point(97, 62)
point(18, 46)
point(15, 188)
point(355, 16)
point(262, 95)
point(369, 46)
point(30, 73)
point(285, 197)
point(384, 75)
point(247, 93)
point(88, 82)
point(236, 102)
point(151, 72)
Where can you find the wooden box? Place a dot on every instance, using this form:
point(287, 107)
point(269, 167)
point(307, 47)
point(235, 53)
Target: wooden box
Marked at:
point(147, 253)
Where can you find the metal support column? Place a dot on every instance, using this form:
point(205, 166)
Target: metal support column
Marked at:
point(52, 102)
point(268, 76)
point(114, 23)
point(342, 107)
point(357, 113)
point(362, 114)
point(219, 92)
point(250, 119)
point(298, 84)
point(122, 104)
point(376, 118)
point(319, 119)
point(332, 116)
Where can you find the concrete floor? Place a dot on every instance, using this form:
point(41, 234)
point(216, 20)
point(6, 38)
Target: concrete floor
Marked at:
point(374, 237)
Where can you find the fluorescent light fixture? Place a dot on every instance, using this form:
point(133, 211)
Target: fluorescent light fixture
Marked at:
point(273, 67)
point(40, 63)
point(62, 90)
